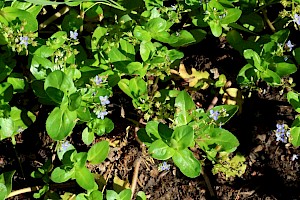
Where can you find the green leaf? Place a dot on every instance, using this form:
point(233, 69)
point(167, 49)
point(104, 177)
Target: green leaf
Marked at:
point(141, 34)
point(145, 50)
point(156, 25)
point(138, 87)
point(247, 75)
point(17, 81)
point(219, 139)
point(294, 100)
point(60, 123)
point(280, 36)
point(6, 92)
point(101, 126)
point(96, 195)
point(98, 34)
point(7, 128)
point(21, 119)
point(84, 178)
point(141, 196)
point(74, 101)
point(253, 22)
point(295, 136)
point(98, 152)
point(44, 51)
point(271, 77)
point(232, 15)
point(57, 84)
point(125, 194)
point(185, 106)
point(3, 191)
point(39, 67)
point(127, 49)
point(133, 67)
point(152, 130)
point(112, 195)
point(58, 39)
point(184, 38)
point(254, 59)
point(215, 28)
point(71, 21)
point(9, 14)
point(187, 163)
point(296, 54)
point(6, 179)
point(184, 135)
point(87, 136)
point(284, 68)
point(124, 86)
point(230, 111)
point(160, 150)
point(61, 174)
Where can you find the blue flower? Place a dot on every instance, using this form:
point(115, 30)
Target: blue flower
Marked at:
point(102, 114)
point(164, 167)
point(281, 137)
point(296, 19)
point(24, 40)
point(65, 146)
point(98, 80)
point(73, 34)
point(104, 100)
point(214, 114)
point(280, 128)
point(289, 45)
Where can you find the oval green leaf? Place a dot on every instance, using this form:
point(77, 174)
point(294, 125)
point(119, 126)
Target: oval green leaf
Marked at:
point(98, 152)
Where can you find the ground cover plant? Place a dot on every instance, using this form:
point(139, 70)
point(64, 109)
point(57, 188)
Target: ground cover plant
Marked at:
point(81, 81)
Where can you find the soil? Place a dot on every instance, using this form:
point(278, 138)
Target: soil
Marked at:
point(270, 173)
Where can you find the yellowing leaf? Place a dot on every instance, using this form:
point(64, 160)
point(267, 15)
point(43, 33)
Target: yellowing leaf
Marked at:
point(193, 78)
point(120, 185)
point(233, 96)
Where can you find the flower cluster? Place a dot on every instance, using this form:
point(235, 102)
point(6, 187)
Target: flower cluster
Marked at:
point(282, 133)
point(296, 19)
point(289, 45)
point(101, 111)
point(164, 166)
point(216, 114)
point(73, 35)
point(98, 80)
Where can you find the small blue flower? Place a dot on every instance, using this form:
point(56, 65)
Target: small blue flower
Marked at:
point(294, 157)
point(289, 45)
point(102, 114)
point(65, 145)
point(104, 100)
point(73, 34)
point(296, 19)
point(24, 40)
point(280, 128)
point(164, 167)
point(214, 114)
point(281, 137)
point(98, 80)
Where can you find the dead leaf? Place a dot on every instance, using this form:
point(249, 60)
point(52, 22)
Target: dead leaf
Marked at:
point(194, 77)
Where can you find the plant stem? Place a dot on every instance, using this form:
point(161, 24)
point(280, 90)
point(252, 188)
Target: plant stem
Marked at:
point(57, 15)
point(264, 11)
point(24, 190)
point(135, 175)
